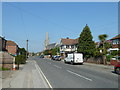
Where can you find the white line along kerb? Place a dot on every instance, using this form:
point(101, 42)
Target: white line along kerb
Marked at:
point(79, 75)
point(40, 72)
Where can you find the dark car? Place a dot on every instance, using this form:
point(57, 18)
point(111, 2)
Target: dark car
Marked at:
point(53, 57)
point(41, 56)
point(58, 58)
point(117, 68)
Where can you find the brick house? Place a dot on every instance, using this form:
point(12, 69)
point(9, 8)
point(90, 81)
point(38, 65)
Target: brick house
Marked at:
point(12, 47)
point(115, 41)
point(2, 44)
point(6, 60)
point(68, 46)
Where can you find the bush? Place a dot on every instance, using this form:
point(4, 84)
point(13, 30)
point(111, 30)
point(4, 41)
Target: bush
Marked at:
point(114, 53)
point(108, 57)
point(97, 53)
point(20, 59)
point(46, 52)
point(118, 52)
point(3, 69)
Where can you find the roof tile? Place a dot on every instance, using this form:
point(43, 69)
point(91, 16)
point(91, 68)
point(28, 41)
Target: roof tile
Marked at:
point(116, 37)
point(10, 43)
point(66, 41)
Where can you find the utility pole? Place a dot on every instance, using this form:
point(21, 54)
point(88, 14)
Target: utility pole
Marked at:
point(26, 48)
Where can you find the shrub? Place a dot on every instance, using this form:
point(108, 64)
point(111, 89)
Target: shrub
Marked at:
point(114, 53)
point(3, 69)
point(108, 57)
point(20, 59)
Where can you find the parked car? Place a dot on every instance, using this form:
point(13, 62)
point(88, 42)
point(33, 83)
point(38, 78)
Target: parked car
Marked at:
point(74, 58)
point(53, 57)
point(41, 56)
point(117, 68)
point(115, 58)
point(56, 57)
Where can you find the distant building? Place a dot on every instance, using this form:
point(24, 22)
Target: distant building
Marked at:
point(12, 47)
point(68, 46)
point(51, 46)
point(2, 44)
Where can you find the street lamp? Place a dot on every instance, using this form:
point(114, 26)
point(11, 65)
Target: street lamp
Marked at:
point(26, 48)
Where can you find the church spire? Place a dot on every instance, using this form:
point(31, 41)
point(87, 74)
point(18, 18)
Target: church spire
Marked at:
point(46, 40)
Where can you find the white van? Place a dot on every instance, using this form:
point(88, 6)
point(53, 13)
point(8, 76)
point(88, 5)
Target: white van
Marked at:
point(74, 58)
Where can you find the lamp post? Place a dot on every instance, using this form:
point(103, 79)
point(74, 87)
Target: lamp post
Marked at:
point(26, 48)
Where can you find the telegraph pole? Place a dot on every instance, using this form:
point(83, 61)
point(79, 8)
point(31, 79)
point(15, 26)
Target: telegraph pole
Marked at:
point(26, 48)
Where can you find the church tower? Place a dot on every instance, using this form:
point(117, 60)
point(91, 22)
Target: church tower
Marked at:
point(46, 43)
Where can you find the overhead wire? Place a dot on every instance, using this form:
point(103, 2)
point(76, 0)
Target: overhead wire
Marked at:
point(51, 21)
point(38, 16)
point(23, 22)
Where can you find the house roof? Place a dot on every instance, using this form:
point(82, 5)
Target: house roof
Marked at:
point(2, 38)
point(51, 45)
point(67, 41)
point(116, 37)
point(10, 43)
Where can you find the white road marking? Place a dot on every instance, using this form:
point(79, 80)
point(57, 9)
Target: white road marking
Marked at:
point(79, 75)
point(40, 72)
point(57, 66)
point(49, 63)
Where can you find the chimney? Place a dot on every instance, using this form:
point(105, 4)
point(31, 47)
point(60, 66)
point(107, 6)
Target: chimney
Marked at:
point(67, 38)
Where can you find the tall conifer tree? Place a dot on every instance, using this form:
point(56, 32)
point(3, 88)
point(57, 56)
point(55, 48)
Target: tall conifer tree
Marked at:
point(85, 44)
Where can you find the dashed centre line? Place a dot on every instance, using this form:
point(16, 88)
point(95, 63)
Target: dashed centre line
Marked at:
point(57, 66)
point(79, 75)
point(48, 62)
point(73, 72)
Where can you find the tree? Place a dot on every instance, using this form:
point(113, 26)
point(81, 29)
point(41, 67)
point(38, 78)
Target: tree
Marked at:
point(102, 39)
point(107, 45)
point(20, 59)
point(33, 54)
point(85, 43)
point(46, 52)
point(22, 51)
point(55, 50)
point(119, 49)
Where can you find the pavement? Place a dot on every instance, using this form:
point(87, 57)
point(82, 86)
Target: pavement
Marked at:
point(100, 65)
point(61, 75)
point(29, 76)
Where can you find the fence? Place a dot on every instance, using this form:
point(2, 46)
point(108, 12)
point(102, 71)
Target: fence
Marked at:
point(6, 60)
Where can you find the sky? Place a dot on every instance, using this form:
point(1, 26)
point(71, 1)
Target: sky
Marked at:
point(31, 20)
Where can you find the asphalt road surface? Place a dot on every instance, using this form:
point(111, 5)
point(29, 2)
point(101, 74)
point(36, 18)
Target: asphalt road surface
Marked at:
point(61, 75)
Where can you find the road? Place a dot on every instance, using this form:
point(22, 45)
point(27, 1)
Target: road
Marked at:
point(61, 75)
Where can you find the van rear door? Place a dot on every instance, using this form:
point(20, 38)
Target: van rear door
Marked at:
point(78, 58)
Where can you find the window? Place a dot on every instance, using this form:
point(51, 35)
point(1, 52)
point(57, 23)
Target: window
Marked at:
point(72, 46)
point(62, 47)
point(115, 41)
point(67, 46)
